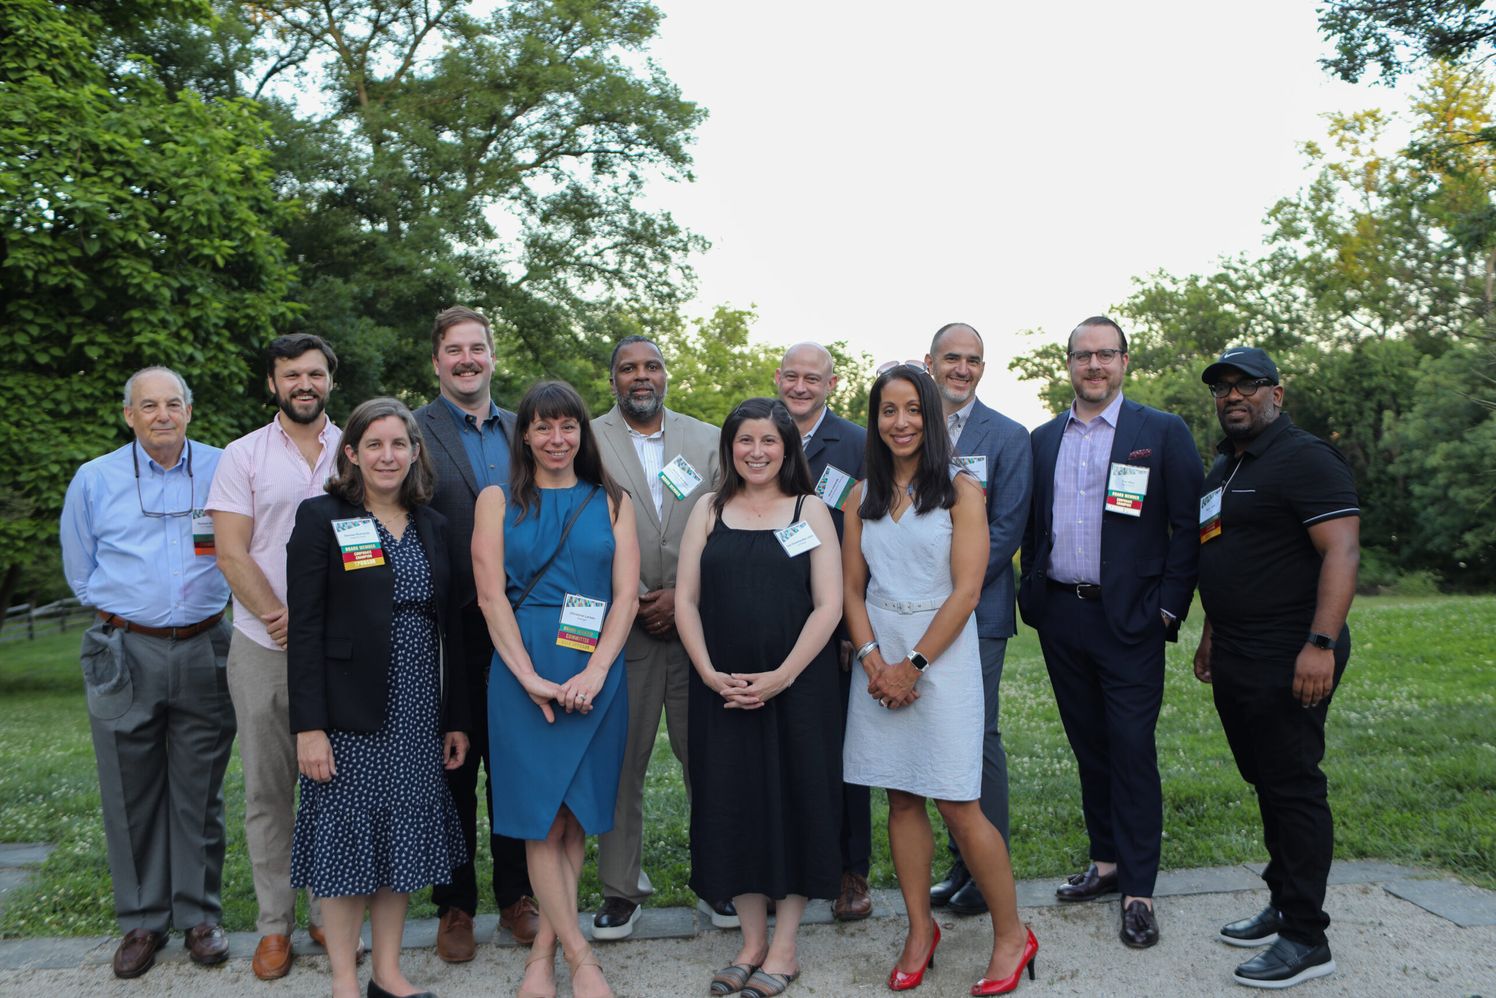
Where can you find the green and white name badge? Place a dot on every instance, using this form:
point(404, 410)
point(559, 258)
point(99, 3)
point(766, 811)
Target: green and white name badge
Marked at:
point(679, 477)
point(834, 487)
point(798, 538)
point(1125, 488)
point(581, 622)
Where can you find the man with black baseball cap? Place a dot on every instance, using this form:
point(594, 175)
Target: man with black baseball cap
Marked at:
point(1279, 547)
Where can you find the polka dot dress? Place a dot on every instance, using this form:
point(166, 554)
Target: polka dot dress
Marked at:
point(387, 819)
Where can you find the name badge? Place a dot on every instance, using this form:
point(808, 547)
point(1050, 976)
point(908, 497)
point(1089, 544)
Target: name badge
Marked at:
point(977, 465)
point(1210, 515)
point(581, 622)
point(798, 538)
point(1125, 488)
point(358, 539)
point(834, 487)
point(679, 477)
point(202, 533)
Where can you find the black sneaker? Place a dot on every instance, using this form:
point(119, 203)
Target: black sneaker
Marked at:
point(723, 914)
point(616, 919)
point(1259, 930)
point(1285, 964)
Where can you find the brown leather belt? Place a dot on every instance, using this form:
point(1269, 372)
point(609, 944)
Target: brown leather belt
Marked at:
point(1080, 590)
point(174, 633)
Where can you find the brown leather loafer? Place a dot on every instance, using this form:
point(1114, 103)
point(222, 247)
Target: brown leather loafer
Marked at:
point(137, 952)
point(1087, 886)
point(272, 957)
point(454, 937)
point(1139, 925)
point(320, 938)
point(854, 903)
point(207, 943)
point(522, 919)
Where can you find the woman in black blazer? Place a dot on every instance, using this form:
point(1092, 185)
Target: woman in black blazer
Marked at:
point(367, 583)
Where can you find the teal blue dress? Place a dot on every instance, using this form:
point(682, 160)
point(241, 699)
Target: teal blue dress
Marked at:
point(536, 767)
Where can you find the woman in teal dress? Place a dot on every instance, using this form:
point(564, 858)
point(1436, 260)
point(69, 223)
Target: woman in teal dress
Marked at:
point(558, 612)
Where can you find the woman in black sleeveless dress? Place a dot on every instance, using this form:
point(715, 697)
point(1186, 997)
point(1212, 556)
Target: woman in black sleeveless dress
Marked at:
point(758, 596)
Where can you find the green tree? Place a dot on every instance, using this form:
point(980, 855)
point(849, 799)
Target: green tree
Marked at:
point(1396, 35)
point(138, 229)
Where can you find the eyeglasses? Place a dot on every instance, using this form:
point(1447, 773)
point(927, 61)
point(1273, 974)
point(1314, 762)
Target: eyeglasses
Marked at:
point(163, 514)
point(918, 365)
point(1246, 389)
point(1084, 356)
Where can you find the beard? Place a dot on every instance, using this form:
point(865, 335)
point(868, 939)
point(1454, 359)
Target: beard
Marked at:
point(643, 409)
point(287, 406)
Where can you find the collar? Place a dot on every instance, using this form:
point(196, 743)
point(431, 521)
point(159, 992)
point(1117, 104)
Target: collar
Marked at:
point(964, 413)
point(463, 416)
point(805, 437)
point(1109, 414)
point(327, 427)
point(1261, 442)
point(635, 434)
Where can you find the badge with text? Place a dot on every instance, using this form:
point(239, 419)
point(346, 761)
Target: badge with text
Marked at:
point(202, 533)
point(798, 538)
point(1125, 488)
point(834, 487)
point(358, 539)
point(581, 622)
point(1210, 515)
point(679, 477)
point(977, 465)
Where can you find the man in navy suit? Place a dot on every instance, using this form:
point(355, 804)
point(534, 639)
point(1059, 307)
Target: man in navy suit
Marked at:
point(834, 449)
point(995, 449)
point(1108, 568)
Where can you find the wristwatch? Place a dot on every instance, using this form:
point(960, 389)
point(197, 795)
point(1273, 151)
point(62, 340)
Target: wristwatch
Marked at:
point(918, 661)
point(1323, 641)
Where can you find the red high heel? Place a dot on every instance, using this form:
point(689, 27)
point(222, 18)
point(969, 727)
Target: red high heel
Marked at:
point(1010, 983)
point(900, 981)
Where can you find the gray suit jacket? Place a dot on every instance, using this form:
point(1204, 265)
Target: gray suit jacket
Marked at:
point(659, 533)
point(456, 489)
point(1010, 480)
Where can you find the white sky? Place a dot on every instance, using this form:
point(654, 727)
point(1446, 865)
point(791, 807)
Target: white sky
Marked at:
point(872, 170)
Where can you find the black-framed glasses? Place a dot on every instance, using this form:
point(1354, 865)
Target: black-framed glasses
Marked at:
point(163, 514)
point(1105, 356)
point(883, 369)
point(1246, 389)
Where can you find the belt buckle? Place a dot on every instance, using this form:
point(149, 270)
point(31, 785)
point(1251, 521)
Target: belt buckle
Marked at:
point(1078, 587)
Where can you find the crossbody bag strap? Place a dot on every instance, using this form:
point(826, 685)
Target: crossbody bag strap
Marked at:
point(571, 522)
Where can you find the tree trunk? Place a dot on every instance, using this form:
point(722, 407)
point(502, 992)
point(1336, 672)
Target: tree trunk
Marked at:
point(8, 588)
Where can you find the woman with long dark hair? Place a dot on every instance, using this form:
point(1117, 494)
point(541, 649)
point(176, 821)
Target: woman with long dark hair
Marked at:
point(757, 597)
point(556, 563)
point(914, 558)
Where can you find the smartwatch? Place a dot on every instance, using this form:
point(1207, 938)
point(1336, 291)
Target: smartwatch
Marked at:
point(917, 660)
point(1323, 641)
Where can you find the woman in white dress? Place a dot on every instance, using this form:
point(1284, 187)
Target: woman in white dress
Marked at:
point(913, 559)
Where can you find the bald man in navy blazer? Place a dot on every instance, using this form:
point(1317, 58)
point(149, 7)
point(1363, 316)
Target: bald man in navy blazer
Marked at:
point(1108, 570)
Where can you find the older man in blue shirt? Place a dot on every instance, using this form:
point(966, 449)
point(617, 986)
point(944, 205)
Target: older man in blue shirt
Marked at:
point(137, 546)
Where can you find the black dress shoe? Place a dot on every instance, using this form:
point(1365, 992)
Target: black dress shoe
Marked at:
point(957, 877)
point(375, 991)
point(1139, 925)
point(1087, 886)
point(1285, 964)
point(616, 919)
point(1259, 930)
point(968, 900)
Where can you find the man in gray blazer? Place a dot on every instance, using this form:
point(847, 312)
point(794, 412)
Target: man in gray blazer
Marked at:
point(996, 450)
point(467, 438)
point(639, 438)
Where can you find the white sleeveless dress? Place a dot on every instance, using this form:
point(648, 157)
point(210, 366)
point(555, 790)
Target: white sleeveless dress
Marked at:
point(933, 747)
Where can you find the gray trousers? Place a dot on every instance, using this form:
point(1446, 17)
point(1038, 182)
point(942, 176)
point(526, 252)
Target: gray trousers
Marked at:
point(657, 679)
point(163, 729)
point(267, 750)
point(994, 756)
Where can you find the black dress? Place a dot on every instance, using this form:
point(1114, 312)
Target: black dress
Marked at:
point(766, 783)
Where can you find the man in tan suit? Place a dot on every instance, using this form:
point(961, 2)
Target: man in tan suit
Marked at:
point(667, 462)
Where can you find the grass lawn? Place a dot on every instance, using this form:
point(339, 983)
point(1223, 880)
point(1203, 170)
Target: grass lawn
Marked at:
point(1411, 761)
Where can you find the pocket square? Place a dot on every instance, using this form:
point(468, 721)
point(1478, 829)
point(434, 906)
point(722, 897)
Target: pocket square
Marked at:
point(1144, 452)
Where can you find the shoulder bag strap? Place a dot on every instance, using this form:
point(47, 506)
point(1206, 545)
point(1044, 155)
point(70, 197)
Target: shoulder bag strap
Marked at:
point(571, 522)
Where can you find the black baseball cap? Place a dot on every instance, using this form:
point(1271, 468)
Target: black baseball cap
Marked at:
point(1251, 361)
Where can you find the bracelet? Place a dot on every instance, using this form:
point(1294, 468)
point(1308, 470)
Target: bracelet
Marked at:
point(865, 650)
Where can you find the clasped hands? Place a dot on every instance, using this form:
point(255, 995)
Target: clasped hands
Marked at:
point(748, 690)
point(576, 694)
point(891, 685)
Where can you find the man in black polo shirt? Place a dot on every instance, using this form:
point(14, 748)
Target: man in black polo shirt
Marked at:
point(1279, 545)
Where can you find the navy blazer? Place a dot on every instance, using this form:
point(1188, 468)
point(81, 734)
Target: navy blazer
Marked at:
point(1005, 444)
point(842, 444)
point(338, 638)
point(1148, 562)
point(456, 488)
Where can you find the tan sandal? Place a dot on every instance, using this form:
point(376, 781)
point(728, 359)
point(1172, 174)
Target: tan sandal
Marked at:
point(532, 959)
point(731, 979)
point(586, 958)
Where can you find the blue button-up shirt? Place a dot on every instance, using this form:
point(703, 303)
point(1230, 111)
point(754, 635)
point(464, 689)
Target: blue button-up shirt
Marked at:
point(142, 567)
point(1080, 473)
point(486, 446)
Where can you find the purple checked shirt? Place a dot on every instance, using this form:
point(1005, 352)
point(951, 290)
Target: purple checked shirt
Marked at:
point(1080, 473)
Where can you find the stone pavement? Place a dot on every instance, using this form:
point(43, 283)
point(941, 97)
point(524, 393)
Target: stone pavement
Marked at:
point(1396, 931)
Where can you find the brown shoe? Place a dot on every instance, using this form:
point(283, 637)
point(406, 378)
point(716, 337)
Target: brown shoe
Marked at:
point(454, 937)
point(320, 938)
point(137, 952)
point(272, 957)
point(522, 919)
point(207, 943)
point(854, 903)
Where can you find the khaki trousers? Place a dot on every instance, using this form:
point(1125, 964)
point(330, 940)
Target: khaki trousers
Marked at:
point(267, 749)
